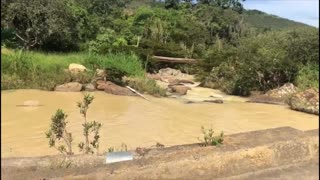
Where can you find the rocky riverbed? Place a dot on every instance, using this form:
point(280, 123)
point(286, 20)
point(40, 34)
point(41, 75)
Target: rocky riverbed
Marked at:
point(184, 87)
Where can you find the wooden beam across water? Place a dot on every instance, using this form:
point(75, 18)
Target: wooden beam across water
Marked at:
point(175, 60)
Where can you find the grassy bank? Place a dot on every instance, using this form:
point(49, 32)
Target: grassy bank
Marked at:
point(37, 70)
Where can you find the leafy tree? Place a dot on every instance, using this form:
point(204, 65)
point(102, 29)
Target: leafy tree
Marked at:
point(37, 20)
point(209, 139)
point(233, 4)
point(172, 4)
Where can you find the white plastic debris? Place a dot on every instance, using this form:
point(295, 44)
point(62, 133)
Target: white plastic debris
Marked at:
point(113, 157)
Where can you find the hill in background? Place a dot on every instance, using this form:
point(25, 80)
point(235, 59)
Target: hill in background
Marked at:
point(262, 20)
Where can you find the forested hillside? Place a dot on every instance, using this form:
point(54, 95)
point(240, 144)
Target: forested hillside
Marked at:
point(264, 21)
point(240, 50)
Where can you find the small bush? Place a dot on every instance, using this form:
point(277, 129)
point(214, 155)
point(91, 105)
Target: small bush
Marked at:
point(58, 132)
point(308, 77)
point(89, 127)
point(122, 148)
point(209, 139)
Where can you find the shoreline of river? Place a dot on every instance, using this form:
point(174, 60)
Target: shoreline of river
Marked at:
point(133, 120)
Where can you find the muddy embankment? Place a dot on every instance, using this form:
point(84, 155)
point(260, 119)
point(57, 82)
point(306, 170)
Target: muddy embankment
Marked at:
point(279, 153)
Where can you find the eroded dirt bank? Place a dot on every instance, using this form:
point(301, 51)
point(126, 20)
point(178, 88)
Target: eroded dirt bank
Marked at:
point(279, 150)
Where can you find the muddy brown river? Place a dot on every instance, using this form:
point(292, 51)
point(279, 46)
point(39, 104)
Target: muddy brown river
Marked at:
point(132, 120)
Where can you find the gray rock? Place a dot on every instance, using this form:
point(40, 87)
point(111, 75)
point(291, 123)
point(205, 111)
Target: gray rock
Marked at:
point(218, 101)
point(89, 87)
point(306, 101)
point(180, 89)
point(112, 88)
point(69, 87)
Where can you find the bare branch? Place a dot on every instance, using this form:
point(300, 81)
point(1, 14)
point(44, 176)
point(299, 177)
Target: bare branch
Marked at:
point(20, 37)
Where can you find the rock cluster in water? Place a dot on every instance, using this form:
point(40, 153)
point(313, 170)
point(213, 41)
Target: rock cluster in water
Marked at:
point(173, 80)
point(306, 101)
point(276, 96)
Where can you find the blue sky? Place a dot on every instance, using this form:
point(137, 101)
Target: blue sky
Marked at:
point(305, 11)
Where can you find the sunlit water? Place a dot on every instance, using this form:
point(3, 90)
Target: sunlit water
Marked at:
point(132, 120)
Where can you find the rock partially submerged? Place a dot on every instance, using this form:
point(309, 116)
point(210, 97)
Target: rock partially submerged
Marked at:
point(306, 101)
point(218, 101)
point(179, 82)
point(30, 103)
point(180, 89)
point(112, 88)
point(173, 80)
point(89, 87)
point(69, 87)
point(282, 92)
point(275, 96)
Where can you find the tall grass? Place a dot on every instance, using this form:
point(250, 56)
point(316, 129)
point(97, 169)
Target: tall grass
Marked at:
point(25, 69)
point(130, 64)
point(38, 70)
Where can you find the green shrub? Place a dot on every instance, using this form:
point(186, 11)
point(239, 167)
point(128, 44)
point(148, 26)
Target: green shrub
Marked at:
point(308, 77)
point(58, 132)
point(89, 127)
point(262, 62)
point(122, 148)
point(209, 139)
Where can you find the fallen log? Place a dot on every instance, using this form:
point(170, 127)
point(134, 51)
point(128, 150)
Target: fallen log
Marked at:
point(175, 60)
point(133, 90)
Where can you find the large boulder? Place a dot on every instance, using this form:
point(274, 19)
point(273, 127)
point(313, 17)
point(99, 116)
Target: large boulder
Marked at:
point(112, 88)
point(69, 87)
point(282, 92)
point(306, 101)
point(169, 72)
point(173, 82)
point(101, 84)
point(76, 68)
point(180, 89)
point(275, 96)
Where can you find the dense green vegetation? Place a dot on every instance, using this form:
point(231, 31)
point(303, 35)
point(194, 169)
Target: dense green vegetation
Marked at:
point(241, 50)
point(263, 62)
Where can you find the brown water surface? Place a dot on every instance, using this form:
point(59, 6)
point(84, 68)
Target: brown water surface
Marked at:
point(131, 120)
